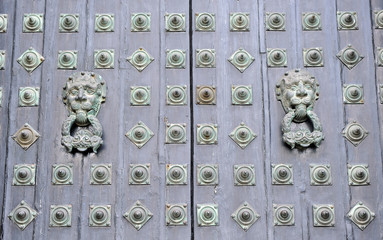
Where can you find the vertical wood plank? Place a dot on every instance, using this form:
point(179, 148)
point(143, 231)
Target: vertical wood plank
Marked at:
point(20, 115)
point(53, 113)
point(369, 151)
point(227, 153)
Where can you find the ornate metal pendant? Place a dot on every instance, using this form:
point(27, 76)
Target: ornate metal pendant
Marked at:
point(83, 94)
point(298, 90)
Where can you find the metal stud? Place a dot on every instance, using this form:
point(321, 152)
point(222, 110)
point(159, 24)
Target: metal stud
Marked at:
point(206, 95)
point(104, 58)
point(245, 216)
point(101, 174)
point(320, 175)
point(355, 133)
point(140, 22)
point(176, 214)
point(313, 57)
point(2, 59)
point(379, 19)
point(207, 215)
point(358, 175)
point(347, 20)
point(205, 22)
point(140, 134)
point(100, 215)
point(242, 135)
point(60, 216)
point(207, 134)
point(175, 22)
point(25, 136)
point(323, 215)
point(275, 21)
point(205, 58)
point(30, 60)
point(311, 21)
point(361, 215)
point(3, 23)
point(175, 133)
point(282, 174)
point(244, 175)
point(175, 58)
point(22, 215)
point(283, 215)
point(138, 215)
point(176, 95)
point(241, 95)
point(380, 86)
point(349, 56)
point(241, 59)
point(69, 23)
point(29, 96)
point(140, 59)
point(24, 175)
point(33, 23)
point(104, 23)
point(353, 93)
point(276, 57)
point(379, 56)
point(1, 96)
point(239, 22)
point(62, 174)
point(139, 174)
point(67, 60)
point(140, 95)
point(207, 174)
point(176, 174)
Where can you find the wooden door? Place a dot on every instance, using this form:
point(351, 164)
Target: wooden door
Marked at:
point(210, 208)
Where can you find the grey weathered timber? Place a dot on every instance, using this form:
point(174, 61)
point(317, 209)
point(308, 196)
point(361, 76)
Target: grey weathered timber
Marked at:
point(263, 116)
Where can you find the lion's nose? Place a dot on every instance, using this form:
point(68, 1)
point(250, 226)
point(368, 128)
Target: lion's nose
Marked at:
point(301, 92)
point(80, 95)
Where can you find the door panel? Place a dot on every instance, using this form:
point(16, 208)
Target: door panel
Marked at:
point(263, 117)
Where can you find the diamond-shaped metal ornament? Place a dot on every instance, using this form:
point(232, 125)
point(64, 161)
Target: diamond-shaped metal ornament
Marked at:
point(30, 60)
point(140, 59)
point(138, 215)
point(361, 215)
point(242, 135)
point(349, 56)
point(26, 136)
point(245, 216)
point(140, 134)
point(355, 133)
point(241, 59)
point(22, 215)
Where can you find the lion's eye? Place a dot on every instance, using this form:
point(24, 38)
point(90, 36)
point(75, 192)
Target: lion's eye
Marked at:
point(294, 87)
point(74, 91)
point(308, 86)
point(89, 90)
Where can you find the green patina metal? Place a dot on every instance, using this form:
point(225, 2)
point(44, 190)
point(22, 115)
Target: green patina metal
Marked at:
point(298, 90)
point(83, 94)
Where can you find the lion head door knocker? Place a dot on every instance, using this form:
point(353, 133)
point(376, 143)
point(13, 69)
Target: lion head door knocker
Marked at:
point(298, 91)
point(83, 94)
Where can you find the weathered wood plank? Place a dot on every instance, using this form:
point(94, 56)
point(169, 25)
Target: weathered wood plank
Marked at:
point(6, 40)
point(53, 113)
point(20, 115)
point(369, 151)
point(227, 153)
